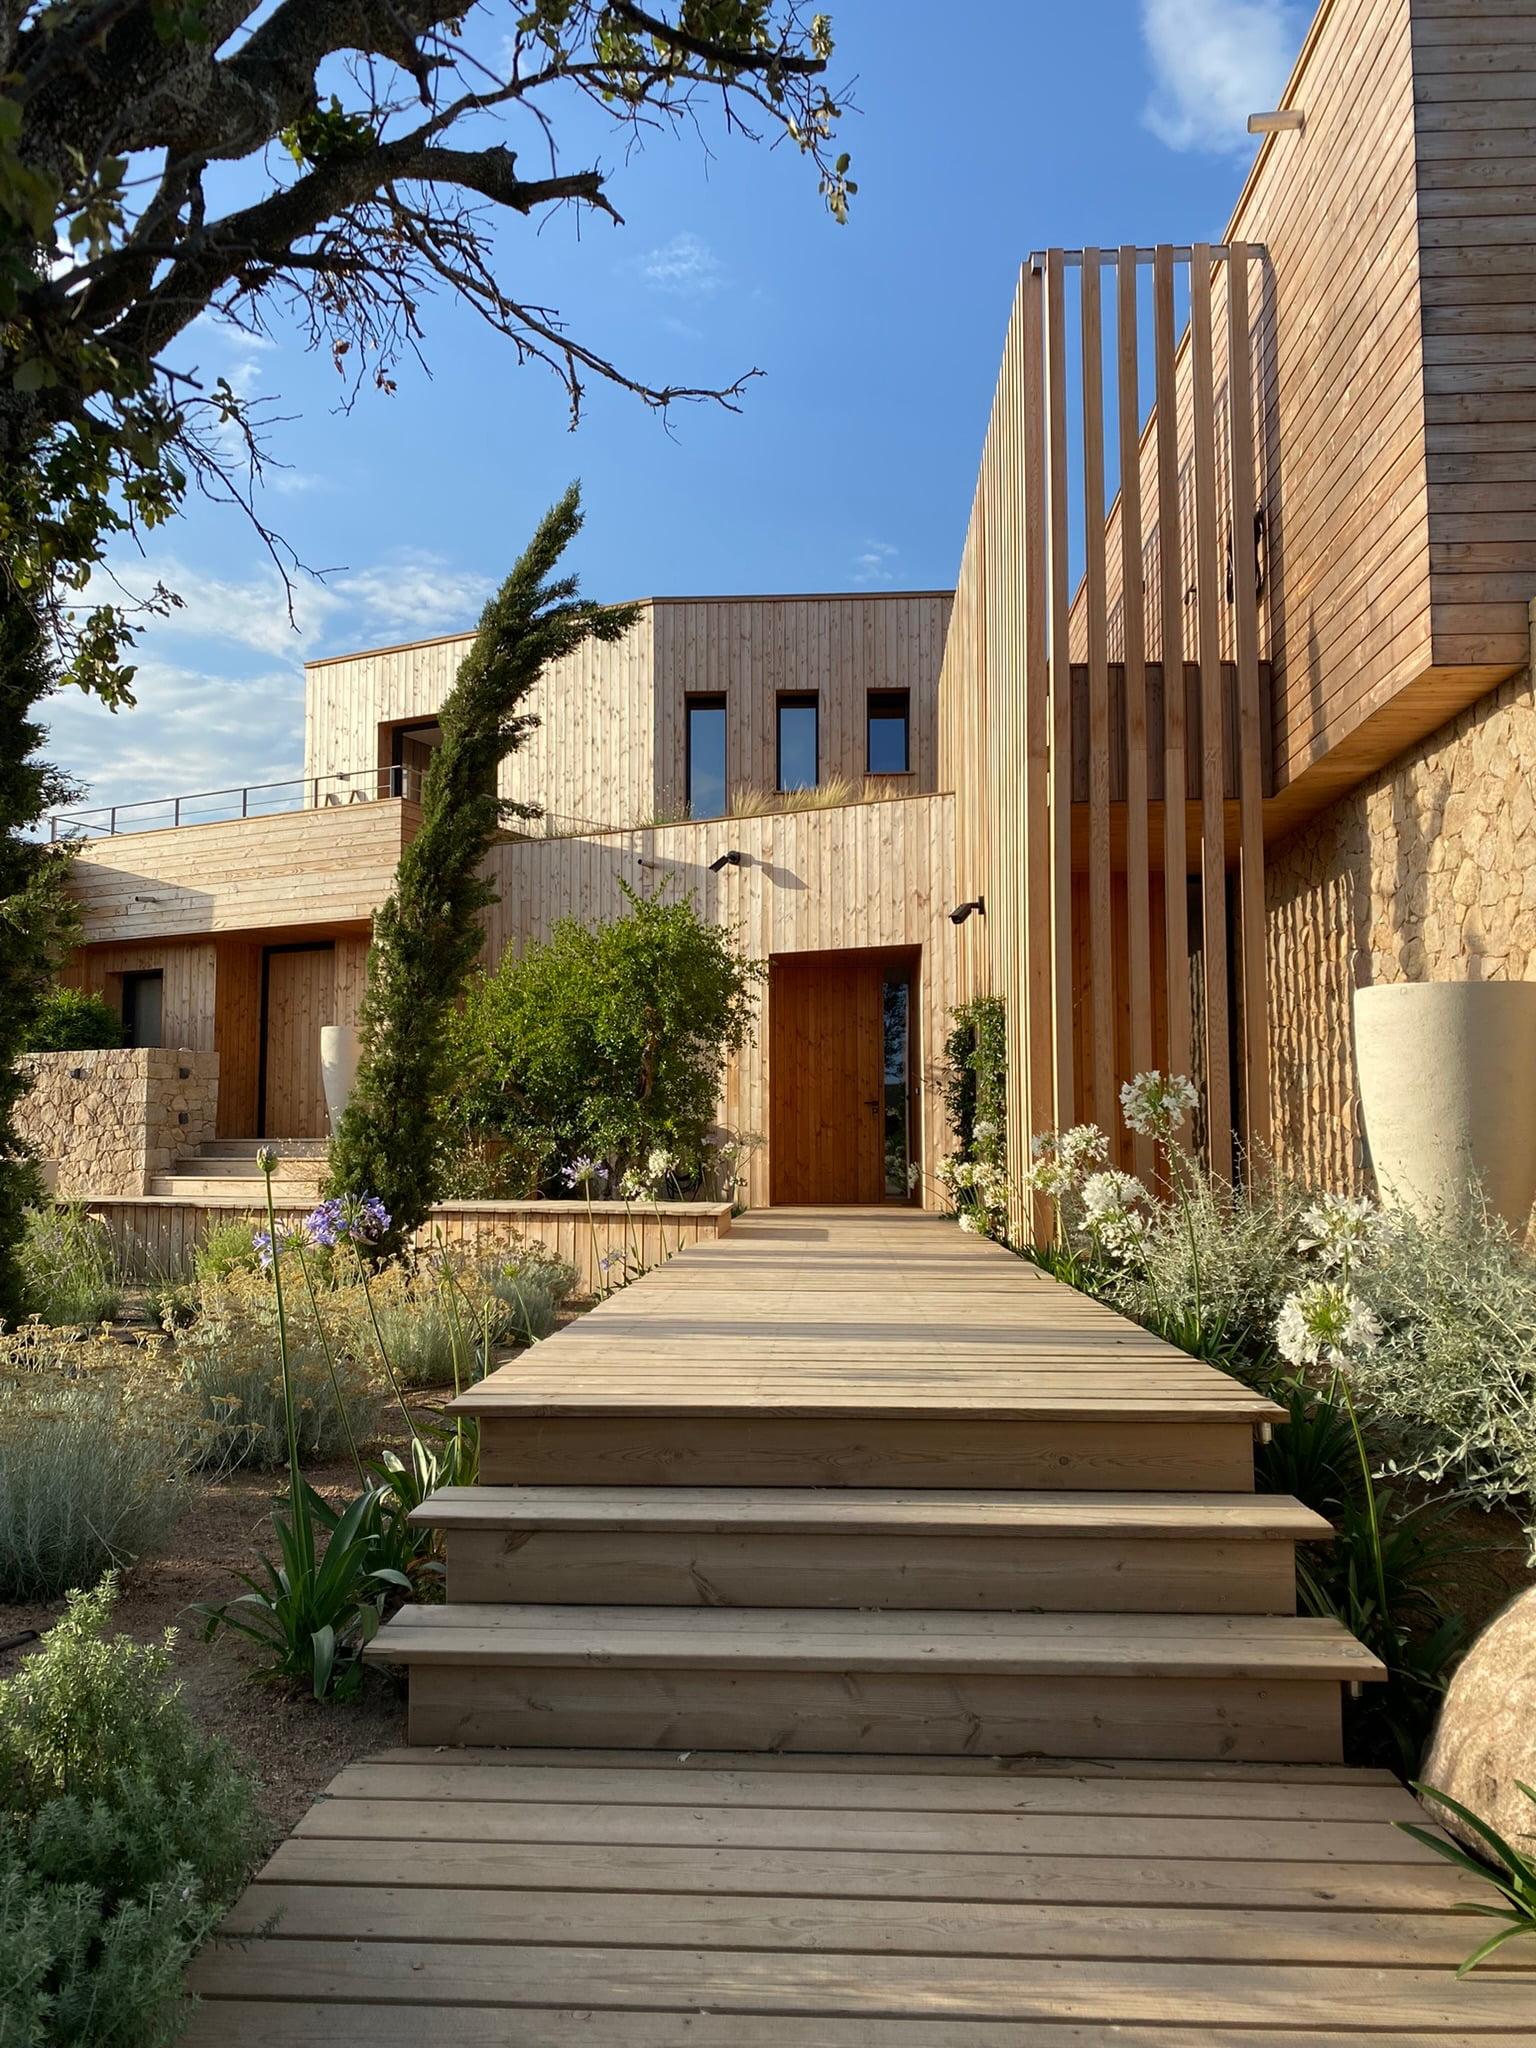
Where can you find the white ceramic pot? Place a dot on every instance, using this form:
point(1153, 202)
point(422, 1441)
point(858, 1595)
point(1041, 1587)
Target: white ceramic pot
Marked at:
point(1447, 1073)
point(339, 1049)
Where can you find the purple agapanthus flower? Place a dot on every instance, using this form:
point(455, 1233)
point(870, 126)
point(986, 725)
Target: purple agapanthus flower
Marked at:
point(289, 1235)
point(581, 1172)
point(347, 1219)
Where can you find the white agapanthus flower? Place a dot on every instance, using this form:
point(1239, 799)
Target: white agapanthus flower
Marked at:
point(1112, 1205)
point(1047, 1176)
point(962, 1173)
point(969, 1220)
point(984, 1132)
point(1110, 1192)
point(660, 1163)
point(1326, 1323)
point(1344, 1230)
point(1154, 1105)
point(1083, 1146)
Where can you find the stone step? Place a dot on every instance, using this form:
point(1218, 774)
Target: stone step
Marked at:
point(1262, 1688)
point(867, 1548)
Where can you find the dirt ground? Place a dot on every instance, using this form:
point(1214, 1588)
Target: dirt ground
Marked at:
point(294, 1745)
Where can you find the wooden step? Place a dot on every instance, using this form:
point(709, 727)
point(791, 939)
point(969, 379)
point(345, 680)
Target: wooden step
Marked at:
point(247, 1148)
point(1262, 1688)
point(242, 1166)
point(799, 1547)
point(230, 1191)
point(1049, 1441)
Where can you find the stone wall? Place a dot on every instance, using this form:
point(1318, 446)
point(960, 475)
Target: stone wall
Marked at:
point(111, 1120)
point(1427, 872)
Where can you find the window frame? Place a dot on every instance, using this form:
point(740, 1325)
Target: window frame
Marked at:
point(706, 700)
point(795, 700)
point(890, 697)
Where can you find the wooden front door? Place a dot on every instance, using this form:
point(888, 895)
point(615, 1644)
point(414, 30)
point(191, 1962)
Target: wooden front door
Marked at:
point(826, 1079)
point(298, 995)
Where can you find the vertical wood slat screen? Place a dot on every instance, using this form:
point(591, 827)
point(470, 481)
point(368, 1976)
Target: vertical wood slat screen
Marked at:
point(1088, 934)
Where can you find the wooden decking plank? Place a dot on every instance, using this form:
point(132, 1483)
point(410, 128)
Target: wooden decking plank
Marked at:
point(873, 1511)
point(873, 1833)
point(259, 2023)
point(1424, 1886)
point(896, 1640)
point(812, 1925)
point(448, 1975)
point(426, 1776)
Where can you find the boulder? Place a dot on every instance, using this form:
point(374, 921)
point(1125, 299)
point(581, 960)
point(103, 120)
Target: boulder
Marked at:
point(1485, 1739)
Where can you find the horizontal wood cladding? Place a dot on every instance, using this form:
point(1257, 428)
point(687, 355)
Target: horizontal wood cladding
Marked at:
point(1475, 98)
point(874, 875)
point(610, 747)
point(298, 869)
point(1342, 387)
point(748, 650)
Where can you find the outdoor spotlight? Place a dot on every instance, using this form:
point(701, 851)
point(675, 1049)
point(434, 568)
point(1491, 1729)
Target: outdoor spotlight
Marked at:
point(726, 860)
point(964, 910)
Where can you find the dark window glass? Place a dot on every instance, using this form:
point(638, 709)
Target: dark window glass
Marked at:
point(142, 1008)
point(898, 1137)
point(706, 757)
point(889, 725)
point(799, 767)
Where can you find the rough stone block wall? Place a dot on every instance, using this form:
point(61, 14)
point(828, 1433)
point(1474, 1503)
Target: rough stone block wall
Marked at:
point(1427, 872)
point(111, 1120)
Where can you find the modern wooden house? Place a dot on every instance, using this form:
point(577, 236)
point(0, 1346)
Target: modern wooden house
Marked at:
point(1231, 713)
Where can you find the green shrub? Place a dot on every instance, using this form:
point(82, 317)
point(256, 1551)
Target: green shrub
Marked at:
point(69, 1268)
point(1451, 1388)
point(425, 1340)
point(72, 1021)
point(95, 1458)
point(226, 1247)
point(124, 1835)
point(605, 1043)
point(975, 1079)
point(530, 1288)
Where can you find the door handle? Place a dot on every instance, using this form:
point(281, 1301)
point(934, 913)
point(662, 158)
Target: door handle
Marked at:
point(871, 1105)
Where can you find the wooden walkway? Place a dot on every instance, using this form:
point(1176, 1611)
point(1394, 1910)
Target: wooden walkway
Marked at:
point(715, 1532)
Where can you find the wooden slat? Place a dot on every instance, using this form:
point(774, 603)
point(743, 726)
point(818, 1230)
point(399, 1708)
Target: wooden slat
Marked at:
point(1255, 980)
point(1058, 552)
point(1171, 651)
point(1208, 564)
point(1100, 927)
point(1133, 654)
point(1036, 964)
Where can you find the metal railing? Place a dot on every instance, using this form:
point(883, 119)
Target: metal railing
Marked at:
point(268, 799)
point(248, 800)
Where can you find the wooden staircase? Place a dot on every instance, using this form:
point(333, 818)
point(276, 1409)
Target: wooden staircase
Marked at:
point(225, 1170)
point(851, 1481)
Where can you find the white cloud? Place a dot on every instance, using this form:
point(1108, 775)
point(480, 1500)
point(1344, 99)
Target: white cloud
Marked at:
point(872, 564)
point(189, 730)
point(686, 266)
point(1215, 62)
point(220, 683)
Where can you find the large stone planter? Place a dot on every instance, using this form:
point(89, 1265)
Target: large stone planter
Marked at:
point(1485, 1744)
point(340, 1046)
point(1447, 1073)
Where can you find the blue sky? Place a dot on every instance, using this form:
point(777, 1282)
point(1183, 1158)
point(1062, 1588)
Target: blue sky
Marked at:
point(985, 130)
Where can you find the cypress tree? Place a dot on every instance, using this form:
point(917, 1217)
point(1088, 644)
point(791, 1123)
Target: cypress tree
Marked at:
point(428, 935)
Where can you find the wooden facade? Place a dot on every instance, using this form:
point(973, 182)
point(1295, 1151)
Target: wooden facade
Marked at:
point(1296, 464)
point(610, 748)
point(858, 881)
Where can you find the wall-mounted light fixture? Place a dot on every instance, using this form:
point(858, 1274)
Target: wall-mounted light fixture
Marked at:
point(1281, 121)
point(963, 910)
point(726, 860)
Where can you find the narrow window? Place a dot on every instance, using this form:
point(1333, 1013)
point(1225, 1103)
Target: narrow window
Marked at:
point(896, 1007)
point(142, 1007)
point(706, 757)
point(799, 754)
point(890, 746)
